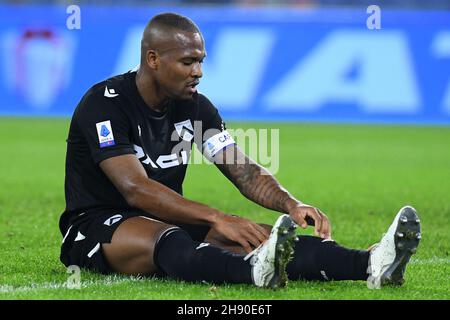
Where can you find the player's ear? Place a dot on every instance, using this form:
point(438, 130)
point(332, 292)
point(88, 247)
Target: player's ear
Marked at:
point(152, 59)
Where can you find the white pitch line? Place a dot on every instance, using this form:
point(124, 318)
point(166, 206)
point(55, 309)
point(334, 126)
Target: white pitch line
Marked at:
point(112, 280)
point(63, 285)
point(430, 261)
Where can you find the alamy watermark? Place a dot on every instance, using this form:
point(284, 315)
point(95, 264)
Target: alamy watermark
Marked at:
point(374, 20)
point(73, 21)
point(74, 280)
point(214, 145)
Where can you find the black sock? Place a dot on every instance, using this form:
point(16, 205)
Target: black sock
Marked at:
point(317, 260)
point(178, 256)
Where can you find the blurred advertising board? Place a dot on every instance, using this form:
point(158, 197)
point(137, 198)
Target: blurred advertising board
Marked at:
point(262, 63)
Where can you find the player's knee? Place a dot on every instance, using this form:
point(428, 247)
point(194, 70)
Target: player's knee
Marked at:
point(144, 259)
point(132, 248)
point(180, 257)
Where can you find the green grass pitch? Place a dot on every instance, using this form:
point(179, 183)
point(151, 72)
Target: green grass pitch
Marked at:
point(359, 175)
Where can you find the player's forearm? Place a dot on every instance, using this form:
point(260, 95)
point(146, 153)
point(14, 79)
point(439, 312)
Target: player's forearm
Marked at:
point(259, 186)
point(168, 205)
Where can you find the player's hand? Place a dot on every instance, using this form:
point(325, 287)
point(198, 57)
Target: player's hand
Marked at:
point(305, 215)
point(243, 231)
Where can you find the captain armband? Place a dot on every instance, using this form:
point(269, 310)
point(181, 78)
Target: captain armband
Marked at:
point(216, 143)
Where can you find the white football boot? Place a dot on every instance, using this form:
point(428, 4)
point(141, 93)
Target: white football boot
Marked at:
point(388, 258)
point(269, 260)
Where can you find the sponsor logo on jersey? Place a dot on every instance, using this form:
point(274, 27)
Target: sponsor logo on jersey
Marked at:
point(105, 134)
point(185, 130)
point(110, 93)
point(110, 221)
point(164, 161)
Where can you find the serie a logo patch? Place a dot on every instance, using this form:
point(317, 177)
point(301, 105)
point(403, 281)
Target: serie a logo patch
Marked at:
point(105, 134)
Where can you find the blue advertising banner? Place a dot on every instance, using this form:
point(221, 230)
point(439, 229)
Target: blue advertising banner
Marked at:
point(262, 64)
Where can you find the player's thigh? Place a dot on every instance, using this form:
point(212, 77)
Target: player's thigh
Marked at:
point(222, 242)
point(132, 246)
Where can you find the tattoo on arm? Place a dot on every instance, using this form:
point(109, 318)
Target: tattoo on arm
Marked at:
point(254, 182)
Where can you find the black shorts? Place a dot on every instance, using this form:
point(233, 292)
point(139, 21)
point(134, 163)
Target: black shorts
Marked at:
point(81, 245)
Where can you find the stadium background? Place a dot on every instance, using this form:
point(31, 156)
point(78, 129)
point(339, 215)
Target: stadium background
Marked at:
point(363, 116)
point(259, 57)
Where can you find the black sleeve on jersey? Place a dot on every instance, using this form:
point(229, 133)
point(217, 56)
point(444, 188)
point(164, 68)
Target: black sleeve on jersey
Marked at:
point(215, 136)
point(94, 109)
point(210, 117)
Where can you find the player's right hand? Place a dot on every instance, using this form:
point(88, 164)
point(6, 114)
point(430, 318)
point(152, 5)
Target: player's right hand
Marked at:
point(243, 231)
point(304, 215)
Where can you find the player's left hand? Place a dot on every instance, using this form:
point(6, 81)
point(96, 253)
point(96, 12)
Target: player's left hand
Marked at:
point(305, 215)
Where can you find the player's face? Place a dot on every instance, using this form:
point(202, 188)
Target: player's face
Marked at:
point(180, 66)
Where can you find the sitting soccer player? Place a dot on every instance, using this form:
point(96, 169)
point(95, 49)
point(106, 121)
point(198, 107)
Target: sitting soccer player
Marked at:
point(129, 143)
